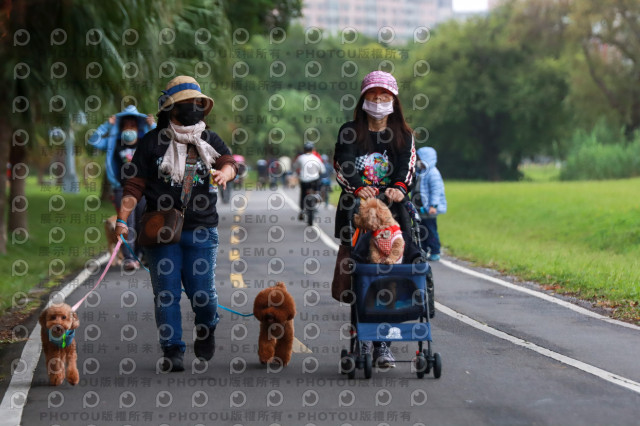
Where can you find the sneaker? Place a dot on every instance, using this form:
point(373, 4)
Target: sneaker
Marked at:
point(173, 359)
point(205, 343)
point(301, 216)
point(434, 257)
point(131, 265)
point(382, 356)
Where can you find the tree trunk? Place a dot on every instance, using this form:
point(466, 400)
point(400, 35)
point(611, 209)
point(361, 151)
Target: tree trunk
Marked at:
point(18, 183)
point(492, 162)
point(5, 140)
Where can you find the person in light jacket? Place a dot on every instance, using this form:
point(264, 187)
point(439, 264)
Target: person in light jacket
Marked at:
point(433, 200)
point(119, 137)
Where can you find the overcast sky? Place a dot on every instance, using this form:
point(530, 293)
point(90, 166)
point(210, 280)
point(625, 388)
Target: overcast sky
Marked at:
point(469, 5)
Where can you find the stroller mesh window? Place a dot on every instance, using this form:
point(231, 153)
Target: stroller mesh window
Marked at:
point(397, 296)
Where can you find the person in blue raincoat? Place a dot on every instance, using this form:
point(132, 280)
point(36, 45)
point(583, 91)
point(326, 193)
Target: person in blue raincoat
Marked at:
point(119, 137)
point(432, 198)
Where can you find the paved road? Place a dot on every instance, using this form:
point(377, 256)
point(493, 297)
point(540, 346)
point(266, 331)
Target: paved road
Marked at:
point(508, 357)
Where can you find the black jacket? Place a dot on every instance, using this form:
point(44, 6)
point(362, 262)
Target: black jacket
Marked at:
point(382, 167)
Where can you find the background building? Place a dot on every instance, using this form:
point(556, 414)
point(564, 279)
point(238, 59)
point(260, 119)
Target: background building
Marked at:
point(369, 16)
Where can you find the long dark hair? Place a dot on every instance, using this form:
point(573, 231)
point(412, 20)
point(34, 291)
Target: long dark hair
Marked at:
point(397, 128)
point(164, 117)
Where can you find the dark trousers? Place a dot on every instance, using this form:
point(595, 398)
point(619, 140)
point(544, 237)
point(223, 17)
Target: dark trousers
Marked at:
point(304, 187)
point(432, 242)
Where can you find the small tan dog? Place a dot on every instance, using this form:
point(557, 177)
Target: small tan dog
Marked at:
point(275, 308)
point(109, 231)
point(387, 243)
point(58, 324)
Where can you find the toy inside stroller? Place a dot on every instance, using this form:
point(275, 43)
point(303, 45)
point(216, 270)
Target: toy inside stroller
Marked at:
point(392, 303)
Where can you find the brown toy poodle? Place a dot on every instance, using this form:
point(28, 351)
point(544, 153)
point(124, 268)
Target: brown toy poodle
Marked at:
point(58, 326)
point(275, 308)
point(387, 243)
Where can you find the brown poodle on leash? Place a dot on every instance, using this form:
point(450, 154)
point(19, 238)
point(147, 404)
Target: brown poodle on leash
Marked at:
point(58, 326)
point(275, 308)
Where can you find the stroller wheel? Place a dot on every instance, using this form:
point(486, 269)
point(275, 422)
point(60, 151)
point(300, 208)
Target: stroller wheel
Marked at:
point(437, 365)
point(344, 361)
point(351, 364)
point(421, 365)
point(368, 365)
point(429, 362)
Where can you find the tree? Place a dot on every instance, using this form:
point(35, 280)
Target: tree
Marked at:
point(65, 57)
point(608, 35)
point(493, 98)
point(260, 16)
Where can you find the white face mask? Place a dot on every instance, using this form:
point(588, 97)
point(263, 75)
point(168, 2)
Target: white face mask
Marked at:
point(378, 111)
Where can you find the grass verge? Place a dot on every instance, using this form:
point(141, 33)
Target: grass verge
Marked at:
point(64, 231)
point(579, 238)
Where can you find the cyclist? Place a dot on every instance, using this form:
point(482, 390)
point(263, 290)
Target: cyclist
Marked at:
point(309, 168)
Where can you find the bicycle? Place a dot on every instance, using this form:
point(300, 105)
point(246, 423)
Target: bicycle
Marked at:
point(312, 201)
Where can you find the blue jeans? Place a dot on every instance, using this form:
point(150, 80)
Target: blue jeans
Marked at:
point(432, 242)
point(190, 263)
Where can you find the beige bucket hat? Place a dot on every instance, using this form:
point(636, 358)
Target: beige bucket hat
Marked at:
point(182, 88)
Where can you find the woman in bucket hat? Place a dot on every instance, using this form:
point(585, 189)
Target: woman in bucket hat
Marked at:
point(157, 172)
point(374, 153)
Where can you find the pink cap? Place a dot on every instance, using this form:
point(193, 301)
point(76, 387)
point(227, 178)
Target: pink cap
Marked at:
point(379, 79)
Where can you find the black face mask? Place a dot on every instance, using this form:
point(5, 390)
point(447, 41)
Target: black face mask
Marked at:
point(188, 114)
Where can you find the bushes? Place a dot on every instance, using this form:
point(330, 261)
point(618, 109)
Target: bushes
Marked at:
point(602, 154)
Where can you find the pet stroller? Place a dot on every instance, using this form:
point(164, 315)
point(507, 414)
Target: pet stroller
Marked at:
point(392, 303)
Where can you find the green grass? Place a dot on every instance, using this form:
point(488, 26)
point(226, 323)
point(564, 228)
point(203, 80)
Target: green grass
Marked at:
point(38, 251)
point(581, 236)
point(540, 172)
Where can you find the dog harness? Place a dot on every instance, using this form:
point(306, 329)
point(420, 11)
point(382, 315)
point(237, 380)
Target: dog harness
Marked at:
point(64, 340)
point(384, 239)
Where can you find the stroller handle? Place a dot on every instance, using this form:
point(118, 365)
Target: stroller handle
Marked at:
point(405, 202)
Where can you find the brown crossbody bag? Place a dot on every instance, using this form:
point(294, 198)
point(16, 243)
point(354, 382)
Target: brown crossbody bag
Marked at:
point(165, 226)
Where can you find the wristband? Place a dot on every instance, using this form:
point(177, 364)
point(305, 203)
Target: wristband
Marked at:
point(122, 222)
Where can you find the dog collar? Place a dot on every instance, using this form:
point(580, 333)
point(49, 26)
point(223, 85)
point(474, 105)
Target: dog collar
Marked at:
point(64, 340)
point(386, 232)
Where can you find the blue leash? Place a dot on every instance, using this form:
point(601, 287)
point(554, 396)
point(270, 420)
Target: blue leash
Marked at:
point(147, 269)
point(133, 253)
point(234, 312)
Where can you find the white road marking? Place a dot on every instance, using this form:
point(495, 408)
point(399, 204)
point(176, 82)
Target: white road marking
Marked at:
point(538, 294)
point(299, 347)
point(15, 397)
point(323, 236)
point(587, 368)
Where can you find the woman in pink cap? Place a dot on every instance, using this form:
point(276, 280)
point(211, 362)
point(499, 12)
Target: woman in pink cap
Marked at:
point(374, 153)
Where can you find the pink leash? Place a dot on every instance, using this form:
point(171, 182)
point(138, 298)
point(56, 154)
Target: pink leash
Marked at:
point(113, 256)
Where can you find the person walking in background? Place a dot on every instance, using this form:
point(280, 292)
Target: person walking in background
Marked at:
point(374, 154)
point(432, 199)
point(285, 169)
point(119, 137)
point(309, 168)
point(263, 172)
point(325, 179)
point(182, 160)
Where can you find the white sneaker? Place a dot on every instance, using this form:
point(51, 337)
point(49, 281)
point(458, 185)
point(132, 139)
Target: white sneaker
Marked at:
point(383, 357)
